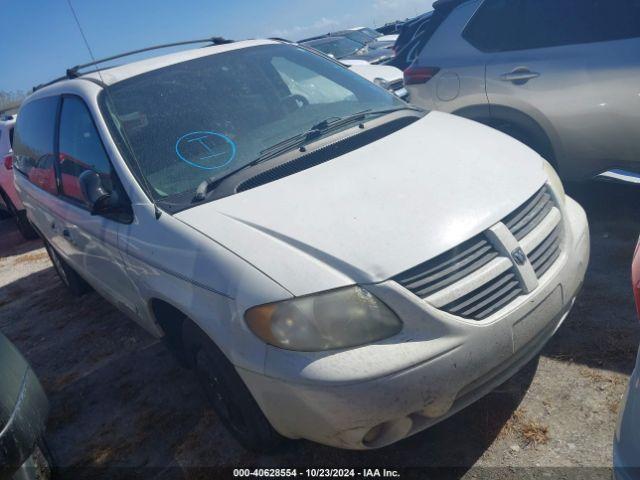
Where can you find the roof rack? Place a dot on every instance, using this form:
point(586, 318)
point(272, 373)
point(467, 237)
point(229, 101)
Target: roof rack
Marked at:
point(74, 72)
point(446, 4)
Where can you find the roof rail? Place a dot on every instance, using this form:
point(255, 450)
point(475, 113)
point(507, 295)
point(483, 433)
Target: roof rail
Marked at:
point(447, 4)
point(74, 72)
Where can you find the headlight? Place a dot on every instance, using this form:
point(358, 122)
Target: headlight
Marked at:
point(554, 181)
point(381, 82)
point(337, 319)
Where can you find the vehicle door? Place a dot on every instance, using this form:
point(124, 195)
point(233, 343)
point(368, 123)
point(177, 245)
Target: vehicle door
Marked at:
point(34, 165)
point(90, 241)
point(572, 66)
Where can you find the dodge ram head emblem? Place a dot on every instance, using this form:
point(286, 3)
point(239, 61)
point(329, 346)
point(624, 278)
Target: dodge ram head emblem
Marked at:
point(519, 256)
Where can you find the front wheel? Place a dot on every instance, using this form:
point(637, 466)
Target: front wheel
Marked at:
point(227, 393)
point(25, 227)
point(74, 282)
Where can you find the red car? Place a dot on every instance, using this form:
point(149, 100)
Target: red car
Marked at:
point(635, 276)
point(626, 444)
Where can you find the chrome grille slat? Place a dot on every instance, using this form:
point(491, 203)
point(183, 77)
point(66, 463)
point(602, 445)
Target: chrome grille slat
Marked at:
point(545, 254)
point(470, 302)
point(455, 272)
point(448, 268)
point(543, 247)
point(528, 216)
point(488, 299)
point(547, 265)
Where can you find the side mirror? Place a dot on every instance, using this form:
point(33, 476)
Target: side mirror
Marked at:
point(93, 192)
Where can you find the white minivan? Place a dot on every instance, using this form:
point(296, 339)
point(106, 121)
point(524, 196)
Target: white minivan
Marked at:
point(334, 264)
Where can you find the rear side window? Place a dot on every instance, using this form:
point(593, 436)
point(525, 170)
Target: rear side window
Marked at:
point(551, 23)
point(507, 25)
point(494, 27)
point(80, 148)
point(34, 142)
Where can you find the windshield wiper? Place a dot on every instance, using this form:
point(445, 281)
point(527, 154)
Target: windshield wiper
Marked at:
point(296, 141)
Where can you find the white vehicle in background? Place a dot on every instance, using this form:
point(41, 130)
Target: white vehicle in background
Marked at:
point(390, 78)
point(333, 263)
point(342, 50)
point(9, 200)
point(348, 51)
point(375, 35)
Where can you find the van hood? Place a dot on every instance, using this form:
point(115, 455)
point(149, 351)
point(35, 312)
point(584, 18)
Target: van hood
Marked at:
point(378, 210)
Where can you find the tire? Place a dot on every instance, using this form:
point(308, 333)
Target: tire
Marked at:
point(74, 282)
point(228, 395)
point(25, 227)
point(9, 209)
point(45, 460)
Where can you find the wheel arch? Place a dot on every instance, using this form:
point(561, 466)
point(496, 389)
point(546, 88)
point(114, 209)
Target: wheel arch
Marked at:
point(506, 118)
point(171, 320)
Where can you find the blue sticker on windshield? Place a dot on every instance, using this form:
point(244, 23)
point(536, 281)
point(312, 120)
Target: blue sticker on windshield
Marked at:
point(206, 150)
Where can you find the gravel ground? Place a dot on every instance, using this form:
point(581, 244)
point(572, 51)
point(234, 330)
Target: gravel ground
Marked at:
point(120, 401)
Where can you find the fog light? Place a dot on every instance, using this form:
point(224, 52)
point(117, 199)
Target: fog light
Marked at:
point(387, 433)
point(373, 434)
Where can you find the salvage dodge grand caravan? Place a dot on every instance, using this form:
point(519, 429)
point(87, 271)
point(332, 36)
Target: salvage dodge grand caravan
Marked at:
point(334, 264)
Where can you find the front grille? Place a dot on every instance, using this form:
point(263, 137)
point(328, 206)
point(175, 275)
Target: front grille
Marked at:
point(448, 268)
point(526, 218)
point(545, 254)
point(475, 281)
point(488, 299)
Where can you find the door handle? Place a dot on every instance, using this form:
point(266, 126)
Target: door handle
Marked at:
point(519, 76)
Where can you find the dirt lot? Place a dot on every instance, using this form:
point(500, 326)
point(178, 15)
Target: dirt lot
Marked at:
point(120, 401)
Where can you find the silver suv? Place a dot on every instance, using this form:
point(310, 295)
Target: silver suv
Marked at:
point(559, 75)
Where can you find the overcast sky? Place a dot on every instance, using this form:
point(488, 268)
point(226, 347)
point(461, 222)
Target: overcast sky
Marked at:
point(41, 39)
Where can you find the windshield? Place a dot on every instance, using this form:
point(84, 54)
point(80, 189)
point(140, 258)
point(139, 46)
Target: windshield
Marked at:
point(357, 37)
point(339, 47)
point(204, 118)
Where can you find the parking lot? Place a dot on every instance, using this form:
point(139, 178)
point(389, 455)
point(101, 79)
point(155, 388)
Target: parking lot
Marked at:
point(119, 400)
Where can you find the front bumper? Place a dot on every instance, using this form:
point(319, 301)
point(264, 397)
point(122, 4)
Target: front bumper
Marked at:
point(375, 395)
